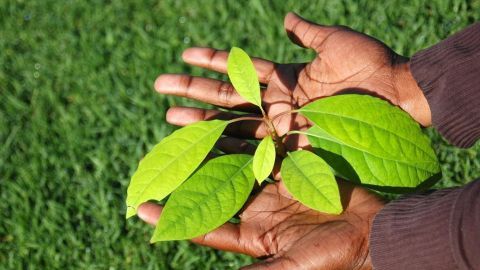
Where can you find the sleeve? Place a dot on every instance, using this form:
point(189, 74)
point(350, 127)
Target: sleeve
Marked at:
point(438, 230)
point(449, 75)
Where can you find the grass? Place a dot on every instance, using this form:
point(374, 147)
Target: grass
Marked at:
point(77, 111)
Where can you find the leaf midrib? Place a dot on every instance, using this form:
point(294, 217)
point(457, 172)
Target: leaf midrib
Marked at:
point(375, 155)
point(306, 177)
point(222, 187)
point(248, 84)
point(373, 125)
point(263, 154)
point(173, 160)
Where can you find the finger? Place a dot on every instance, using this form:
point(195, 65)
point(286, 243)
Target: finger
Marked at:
point(232, 145)
point(305, 33)
point(226, 237)
point(183, 116)
point(297, 141)
point(149, 212)
point(217, 61)
point(211, 91)
point(276, 169)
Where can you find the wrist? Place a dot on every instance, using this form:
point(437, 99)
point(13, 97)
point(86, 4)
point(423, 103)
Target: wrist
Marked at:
point(411, 97)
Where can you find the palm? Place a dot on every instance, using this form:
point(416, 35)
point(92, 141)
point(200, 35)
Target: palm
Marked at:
point(370, 66)
point(291, 236)
point(273, 224)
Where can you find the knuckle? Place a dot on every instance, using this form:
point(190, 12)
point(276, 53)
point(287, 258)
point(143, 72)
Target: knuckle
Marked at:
point(212, 56)
point(225, 92)
point(184, 82)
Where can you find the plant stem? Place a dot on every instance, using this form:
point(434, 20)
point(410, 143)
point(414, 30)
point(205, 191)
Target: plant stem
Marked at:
point(296, 132)
point(263, 112)
point(270, 128)
point(246, 118)
point(283, 113)
point(277, 139)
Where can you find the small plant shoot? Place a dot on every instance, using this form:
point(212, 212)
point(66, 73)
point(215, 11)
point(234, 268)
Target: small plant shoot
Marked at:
point(264, 159)
point(356, 137)
point(243, 76)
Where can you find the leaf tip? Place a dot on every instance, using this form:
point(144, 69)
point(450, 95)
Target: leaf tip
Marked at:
point(259, 181)
point(337, 210)
point(335, 207)
point(235, 49)
point(157, 236)
point(161, 234)
point(153, 240)
point(331, 210)
point(130, 212)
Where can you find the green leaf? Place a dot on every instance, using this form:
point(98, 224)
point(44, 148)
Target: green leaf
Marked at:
point(171, 162)
point(208, 199)
point(264, 159)
point(382, 143)
point(309, 179)
point(243, 76)
point(340, 166)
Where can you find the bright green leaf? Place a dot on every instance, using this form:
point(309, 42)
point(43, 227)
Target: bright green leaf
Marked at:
point(208, 199)
point(334, 159)
point(264, 159)
point(310, 180)
point(243, 76)
point(171, 162)
point(382, 143)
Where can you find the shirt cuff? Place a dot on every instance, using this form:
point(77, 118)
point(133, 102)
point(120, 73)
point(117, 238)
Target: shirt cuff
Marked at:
point(449, 75)
point(437, 230)
point(413, 232)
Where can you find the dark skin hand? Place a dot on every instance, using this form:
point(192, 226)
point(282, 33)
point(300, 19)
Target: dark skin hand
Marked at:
point(292, 236)
point(273, 225)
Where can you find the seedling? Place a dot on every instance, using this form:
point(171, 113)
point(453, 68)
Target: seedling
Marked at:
point(358, 137)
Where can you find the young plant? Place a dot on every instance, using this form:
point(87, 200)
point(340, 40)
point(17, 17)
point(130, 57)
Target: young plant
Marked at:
point(357, 137)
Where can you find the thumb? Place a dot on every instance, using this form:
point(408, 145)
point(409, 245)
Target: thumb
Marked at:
point(305, 33)
point(225, 237)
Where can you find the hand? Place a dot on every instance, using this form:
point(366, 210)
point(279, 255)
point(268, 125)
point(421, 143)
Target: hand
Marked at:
point(346, 61)
point(272, 224)
point(291, 236)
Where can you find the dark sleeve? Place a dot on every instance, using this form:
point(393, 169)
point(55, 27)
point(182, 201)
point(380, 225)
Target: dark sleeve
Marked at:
point(439, 230)
point(449, 75)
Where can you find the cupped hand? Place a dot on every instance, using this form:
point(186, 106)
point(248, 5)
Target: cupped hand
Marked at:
point(346, 61)
point(284, 234)
point(288, 235)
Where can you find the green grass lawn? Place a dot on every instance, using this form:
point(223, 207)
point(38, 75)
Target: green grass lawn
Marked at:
point(77, 111)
